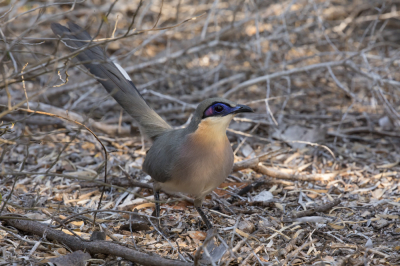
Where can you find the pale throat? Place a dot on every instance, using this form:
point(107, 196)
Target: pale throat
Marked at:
point(213, 128)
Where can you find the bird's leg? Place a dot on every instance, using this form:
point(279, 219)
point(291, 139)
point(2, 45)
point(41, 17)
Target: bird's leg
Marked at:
point(204, 217)
point(197, 205)
point(157, 198)
point(156, 190)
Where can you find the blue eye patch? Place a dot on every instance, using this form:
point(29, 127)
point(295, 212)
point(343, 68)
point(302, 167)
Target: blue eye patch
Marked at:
point(218, 109)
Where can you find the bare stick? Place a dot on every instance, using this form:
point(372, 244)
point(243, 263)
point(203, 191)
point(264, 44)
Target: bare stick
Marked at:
point(319, 208)
point(94, 247)
point(272, 172)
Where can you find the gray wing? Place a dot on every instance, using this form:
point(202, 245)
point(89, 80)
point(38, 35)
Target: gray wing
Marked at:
point(162, 155)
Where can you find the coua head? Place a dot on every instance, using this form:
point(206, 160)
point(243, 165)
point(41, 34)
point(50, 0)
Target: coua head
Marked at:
point(215, 114)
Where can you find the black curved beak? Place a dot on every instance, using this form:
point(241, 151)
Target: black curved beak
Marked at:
point(242, 109)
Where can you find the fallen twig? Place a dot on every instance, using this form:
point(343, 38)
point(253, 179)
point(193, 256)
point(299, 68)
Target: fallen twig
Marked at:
point(94, 247)
point(273, 172)
point(253, 162)
point(320, 208)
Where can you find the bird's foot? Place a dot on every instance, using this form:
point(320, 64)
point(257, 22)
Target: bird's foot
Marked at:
point(204, 218)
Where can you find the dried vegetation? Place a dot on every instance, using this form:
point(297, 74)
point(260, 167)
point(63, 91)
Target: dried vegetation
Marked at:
point(316, 179)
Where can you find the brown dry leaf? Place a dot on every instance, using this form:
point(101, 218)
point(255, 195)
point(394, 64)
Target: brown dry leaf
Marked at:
point(246, 226)
point(319, 190)
point(89, 194)
point(279, 206)
point(240, 232)
point(328, 258)
point(81, 234)
point(251, 29)
point(76, 223)
point(180, 205)
point(3, 234)
point(88, 146)
point(273, 188)
point(297, 261)
point(176, 230)
point(303, 167)
point(145, 205)
point(10, 209)
point(291, 158)
point(297, 233)
point(21, 188)
point(378, 193)
point(366, 213)
point(335, 13)
point(312, 195)
point(381, 175)
point(129, 205)
point(336, 226)
point(387, 166)
point(61, 251)
point(197, 235)
point(389, 216)
point(58, 197)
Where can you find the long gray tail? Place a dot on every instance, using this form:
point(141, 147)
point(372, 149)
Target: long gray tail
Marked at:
point(114, 79)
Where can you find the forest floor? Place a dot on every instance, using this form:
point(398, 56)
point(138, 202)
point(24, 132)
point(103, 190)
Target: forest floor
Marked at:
point(317, 166)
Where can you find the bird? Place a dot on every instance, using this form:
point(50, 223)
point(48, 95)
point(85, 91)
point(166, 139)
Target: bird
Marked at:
point(192, 160)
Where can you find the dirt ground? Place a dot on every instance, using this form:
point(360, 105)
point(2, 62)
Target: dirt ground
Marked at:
point(316, 174)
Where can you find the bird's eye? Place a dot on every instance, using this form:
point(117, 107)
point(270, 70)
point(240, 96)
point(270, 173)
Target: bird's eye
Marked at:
point(218, 108)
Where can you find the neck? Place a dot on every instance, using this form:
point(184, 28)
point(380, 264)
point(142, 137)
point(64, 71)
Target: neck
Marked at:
point(213, 129)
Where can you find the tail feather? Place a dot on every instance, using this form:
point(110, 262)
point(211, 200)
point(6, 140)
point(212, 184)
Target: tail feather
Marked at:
point(114, 79)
